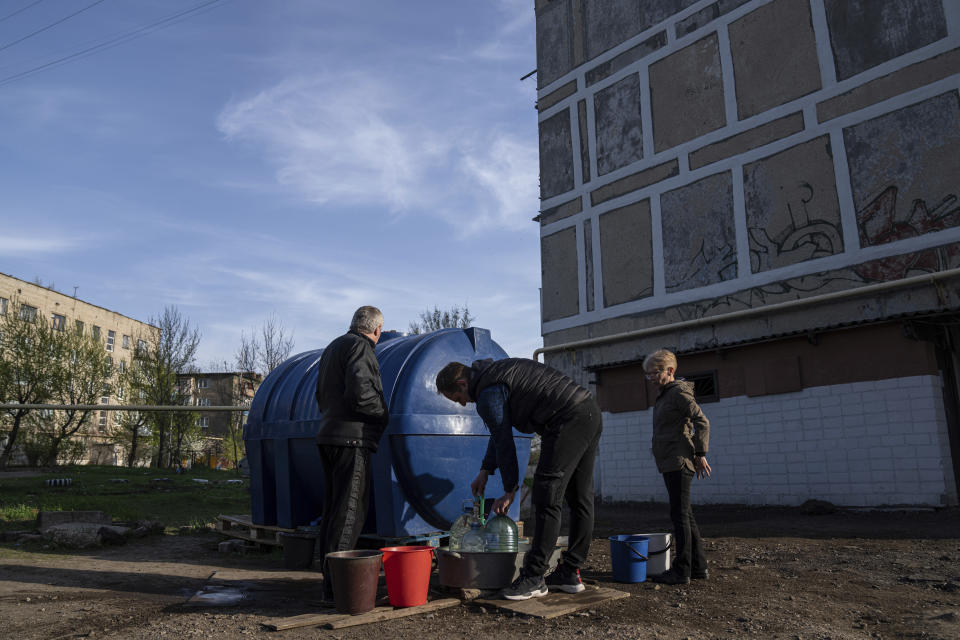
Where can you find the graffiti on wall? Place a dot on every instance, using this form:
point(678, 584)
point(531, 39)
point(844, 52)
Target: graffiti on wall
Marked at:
point(879, 223)
point(801, 237)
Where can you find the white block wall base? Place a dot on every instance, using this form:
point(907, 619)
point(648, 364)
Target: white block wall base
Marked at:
point(872, 443)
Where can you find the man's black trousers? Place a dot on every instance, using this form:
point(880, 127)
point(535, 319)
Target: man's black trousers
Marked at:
point(565, 471)
point(346, 493)
point(689, 546)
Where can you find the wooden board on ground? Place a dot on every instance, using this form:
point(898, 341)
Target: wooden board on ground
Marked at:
point(335, 620)
point(242, 527)
point(556, 604)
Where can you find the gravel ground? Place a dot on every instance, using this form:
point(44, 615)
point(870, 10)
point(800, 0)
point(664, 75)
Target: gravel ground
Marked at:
point(774, 573)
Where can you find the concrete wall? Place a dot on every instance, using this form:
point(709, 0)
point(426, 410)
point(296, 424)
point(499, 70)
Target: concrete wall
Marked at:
point(704, 157)
point(860, 444)
point(765, 149)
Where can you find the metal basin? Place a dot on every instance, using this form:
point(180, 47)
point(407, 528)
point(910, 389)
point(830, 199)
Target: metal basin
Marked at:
point(471, 570)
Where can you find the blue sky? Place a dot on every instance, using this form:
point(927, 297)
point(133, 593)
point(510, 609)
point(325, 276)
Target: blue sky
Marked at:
point(301, 157)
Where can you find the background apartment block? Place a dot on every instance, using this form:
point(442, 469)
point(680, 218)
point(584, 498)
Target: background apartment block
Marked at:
point(119, 334)
point(218, 390)
point(770, 188)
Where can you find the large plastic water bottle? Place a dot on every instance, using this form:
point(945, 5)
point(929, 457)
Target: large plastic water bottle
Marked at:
point(501, 534)
point(462, 524)
point(473, 541)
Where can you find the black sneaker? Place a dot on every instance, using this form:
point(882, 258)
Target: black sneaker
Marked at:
point(670, 577)
point(566, 579)
point(525, 587)
point(700, 575)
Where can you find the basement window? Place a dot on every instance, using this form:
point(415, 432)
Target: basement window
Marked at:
point(705, 387)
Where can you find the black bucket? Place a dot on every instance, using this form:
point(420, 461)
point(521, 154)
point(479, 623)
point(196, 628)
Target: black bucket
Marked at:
point(355, 576)
point(298, 549)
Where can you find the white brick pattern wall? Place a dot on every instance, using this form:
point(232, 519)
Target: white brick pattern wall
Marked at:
point(859, 444)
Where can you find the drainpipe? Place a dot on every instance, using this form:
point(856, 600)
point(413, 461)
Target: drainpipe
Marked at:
point(931, 278)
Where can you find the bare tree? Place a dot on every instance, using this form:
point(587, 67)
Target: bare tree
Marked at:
point(266, 348)
point(165, 351)
point(275, 345)
point(431, 320)
point(28, 364)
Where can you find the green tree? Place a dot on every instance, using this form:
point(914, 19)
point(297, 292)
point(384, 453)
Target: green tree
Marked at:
point(166, 350)
point(83, 375)
point(28, 364)
point(130, 428)
point(431, 320)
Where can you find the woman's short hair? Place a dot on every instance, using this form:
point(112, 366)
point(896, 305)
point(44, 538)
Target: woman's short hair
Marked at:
point(659, 360)
point(448, 376)
point(366, 320)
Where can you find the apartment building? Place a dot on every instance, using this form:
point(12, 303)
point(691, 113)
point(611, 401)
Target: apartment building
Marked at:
point(218, 389)
point(770, 188)
point(120, 335)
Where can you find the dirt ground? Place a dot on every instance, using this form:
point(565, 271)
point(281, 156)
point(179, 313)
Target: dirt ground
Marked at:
point(774, 573)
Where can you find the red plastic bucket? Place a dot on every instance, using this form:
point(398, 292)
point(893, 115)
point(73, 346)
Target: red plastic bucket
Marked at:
point(407, 570)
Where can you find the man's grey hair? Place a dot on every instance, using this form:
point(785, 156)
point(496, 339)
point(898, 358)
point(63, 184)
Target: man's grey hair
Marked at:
point(366, 320)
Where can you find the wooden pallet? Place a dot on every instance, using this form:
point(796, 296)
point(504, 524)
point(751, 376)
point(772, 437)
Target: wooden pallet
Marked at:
point(374, 541)
point(334, 620)
point(242, 527)
point(556, 604)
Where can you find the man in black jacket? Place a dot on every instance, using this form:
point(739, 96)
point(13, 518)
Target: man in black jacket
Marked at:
point(353, 417)
point(533, 398)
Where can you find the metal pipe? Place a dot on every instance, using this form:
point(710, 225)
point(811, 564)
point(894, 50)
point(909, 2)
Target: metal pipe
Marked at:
point(117, 407)
point(732, 315)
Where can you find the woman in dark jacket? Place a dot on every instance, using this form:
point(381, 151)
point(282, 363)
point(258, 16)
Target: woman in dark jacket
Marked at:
point(680, 437)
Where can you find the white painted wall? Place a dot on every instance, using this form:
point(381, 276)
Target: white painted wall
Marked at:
point(858, 444)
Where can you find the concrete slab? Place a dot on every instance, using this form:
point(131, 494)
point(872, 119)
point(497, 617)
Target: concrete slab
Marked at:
point(556, 155)
point(618, 125)
point(47, 519)
point(774, 56)
point(686, 94)
point(864, 34)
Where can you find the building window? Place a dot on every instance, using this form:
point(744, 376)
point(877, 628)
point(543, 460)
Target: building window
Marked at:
point(96, 332)
point(203, 383)
point(59, 322)
point(3, 306)
point(79, 326)
point(203, 402)
point(704, 386)
point(103, 421)
point(121, 366)
point(126, 342)
point(204, 422)
point(111, 338)
point(141, 344)
point(28, 313)
point(109, 364)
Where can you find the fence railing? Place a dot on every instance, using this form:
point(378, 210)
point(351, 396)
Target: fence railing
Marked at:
point(117, 407)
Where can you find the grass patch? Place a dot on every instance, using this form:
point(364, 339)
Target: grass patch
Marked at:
point(148, 494)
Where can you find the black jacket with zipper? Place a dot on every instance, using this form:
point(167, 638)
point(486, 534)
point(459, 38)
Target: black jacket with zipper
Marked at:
point(539, 397)
point(350, 394)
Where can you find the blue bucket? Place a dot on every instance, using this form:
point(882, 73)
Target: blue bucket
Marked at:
point(628, 555)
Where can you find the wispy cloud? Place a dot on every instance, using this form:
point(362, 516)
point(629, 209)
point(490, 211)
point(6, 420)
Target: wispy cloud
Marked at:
point(338, 139)
point(363, 141)
point(35, 244)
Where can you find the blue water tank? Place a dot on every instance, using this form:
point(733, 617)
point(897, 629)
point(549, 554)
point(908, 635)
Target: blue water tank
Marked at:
point(428, 456)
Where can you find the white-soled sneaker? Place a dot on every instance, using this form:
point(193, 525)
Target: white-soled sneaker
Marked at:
point(525, 587)
point(566, 579)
